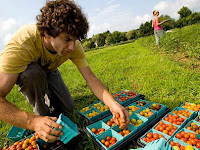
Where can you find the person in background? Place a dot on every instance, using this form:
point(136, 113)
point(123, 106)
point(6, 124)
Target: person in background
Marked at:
point(31, 60)
point(158, 30)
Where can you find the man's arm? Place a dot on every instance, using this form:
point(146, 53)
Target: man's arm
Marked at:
point(101, 92)
point(12, 115)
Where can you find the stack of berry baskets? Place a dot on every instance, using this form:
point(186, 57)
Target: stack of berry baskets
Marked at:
point(189, 137)
point(126, 96)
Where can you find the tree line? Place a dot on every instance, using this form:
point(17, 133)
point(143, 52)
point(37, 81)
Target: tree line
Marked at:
point(187, 17)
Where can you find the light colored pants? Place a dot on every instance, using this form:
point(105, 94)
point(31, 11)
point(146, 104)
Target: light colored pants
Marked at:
point(39, 87)
point(158, 35)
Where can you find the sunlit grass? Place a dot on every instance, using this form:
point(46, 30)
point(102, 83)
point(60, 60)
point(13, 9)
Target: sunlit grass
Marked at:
point(128, 66)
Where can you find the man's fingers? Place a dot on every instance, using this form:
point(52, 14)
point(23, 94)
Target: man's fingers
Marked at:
point(52, 131)
point(122, 116)
point(115, 119)
point(48, 138)
point(52, 123)
point(53, 118)
point(125, 119)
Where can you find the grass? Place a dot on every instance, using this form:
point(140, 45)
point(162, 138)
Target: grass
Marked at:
point(128, 66)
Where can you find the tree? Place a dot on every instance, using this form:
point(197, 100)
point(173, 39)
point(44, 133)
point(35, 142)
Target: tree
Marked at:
point(184, 12)
point(145, 29)
point(131, 34)
point(118, 36)
point(193, 18)
point(99, 39)
point(181, 22)
point(88, 44)
point(167, 25)
point(109, 40)
point(115, 37)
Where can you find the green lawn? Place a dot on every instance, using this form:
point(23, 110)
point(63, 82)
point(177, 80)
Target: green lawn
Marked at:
point(128, 66)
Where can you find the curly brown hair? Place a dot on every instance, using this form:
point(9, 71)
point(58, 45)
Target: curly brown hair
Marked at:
point(62, 16)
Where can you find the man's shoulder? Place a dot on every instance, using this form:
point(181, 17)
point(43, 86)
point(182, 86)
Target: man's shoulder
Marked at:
point(26, 32)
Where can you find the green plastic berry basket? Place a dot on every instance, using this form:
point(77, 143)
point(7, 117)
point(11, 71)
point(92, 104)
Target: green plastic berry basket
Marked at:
point(160, 111)
point(69, 129)
point(150, 118)
point(95, 118)
point(187, 108)
point(182, 125)
point(140, 100)
point(177, 141)
point(165, 122)
point(139, 117)
point(153, 131)
point(189, 124)
point(16, 133)
point(103, 113)
point(97, 125)
point(192, 116)
point(131, 128)
point(111, 133)
point(133, 104)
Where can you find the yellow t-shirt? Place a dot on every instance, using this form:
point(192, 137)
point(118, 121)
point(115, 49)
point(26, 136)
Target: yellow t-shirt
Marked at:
point(27, 46)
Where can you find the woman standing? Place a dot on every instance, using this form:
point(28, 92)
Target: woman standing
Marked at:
point(158, 30)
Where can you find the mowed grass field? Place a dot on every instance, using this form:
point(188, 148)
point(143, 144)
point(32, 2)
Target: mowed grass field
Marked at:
point(130, 66)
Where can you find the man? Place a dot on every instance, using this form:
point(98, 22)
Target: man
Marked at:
point(31, 59)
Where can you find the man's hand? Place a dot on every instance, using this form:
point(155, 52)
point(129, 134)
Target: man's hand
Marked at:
point(101, 92)
point(45, 127)
point(116, 110)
